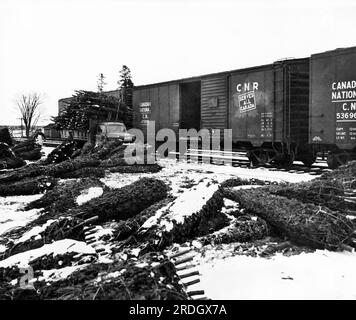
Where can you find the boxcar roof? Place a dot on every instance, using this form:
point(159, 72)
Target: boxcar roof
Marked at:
point(334, 52)
point(234, 71)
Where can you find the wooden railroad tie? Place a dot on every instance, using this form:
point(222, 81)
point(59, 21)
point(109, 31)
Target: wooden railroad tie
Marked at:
point(189, 266)
point(178, 262)
point(195, 293)
point(91, 241)
point(190, 274)
point(190, 283)
point(179, 253)
point(91, 231)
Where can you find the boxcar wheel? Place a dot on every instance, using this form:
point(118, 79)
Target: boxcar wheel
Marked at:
point(309, 159)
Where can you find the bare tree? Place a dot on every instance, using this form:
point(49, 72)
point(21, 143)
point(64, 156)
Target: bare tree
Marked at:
point(29, 109)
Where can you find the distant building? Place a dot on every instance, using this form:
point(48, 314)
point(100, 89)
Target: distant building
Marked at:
point(50, 132)
point(62, 104)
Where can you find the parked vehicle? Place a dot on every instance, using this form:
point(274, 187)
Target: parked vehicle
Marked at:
point(113, 130)
point(109, 130)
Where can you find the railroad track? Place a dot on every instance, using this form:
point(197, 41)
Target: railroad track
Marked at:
point(239, 159)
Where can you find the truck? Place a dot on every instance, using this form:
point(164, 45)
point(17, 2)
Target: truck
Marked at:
point(106, 129)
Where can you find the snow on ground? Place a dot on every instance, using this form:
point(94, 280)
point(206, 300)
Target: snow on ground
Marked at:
point(229, 206)
point(187, 203)
point(190, 202)
point(226, 171)
point(11, 216)
point(35, 231)
point(46, 151)
point(98, 234)
point(119, 180)
point(155, 219)
point(182, 175)
point(58, 274)
point(58, 247)
point(89, 194)
point(319, 275)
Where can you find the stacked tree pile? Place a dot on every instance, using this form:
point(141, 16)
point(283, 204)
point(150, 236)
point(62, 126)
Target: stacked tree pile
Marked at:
point(210, 219)
point(71, 218)
point(335, 190)
point(127, 228)
point(304, 223)
point(123, 203)
point(62, 197)
point(8, 159)
point(133, 279)
point(177, 222)
point(25, 150)
point(28, 150)
point(63, 228)
point(62, 152)
point(89, 161)
point(27, 186)
point(243, 228)
point(53, 170)
point(148, 277)
point(5, 137)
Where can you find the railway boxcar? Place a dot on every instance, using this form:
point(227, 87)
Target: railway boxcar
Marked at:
point(269, 110)
point(333, 104)
point(191, 103)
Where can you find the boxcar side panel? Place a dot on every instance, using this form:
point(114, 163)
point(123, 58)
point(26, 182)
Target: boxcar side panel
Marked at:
point(252, 106)
point(214, 102)
point(322, 110)
point(298, 100)
point(333, 98)
point(157, 103)
point(164, 107)
point(136, 108)
point(174, 107)
point(155, 108)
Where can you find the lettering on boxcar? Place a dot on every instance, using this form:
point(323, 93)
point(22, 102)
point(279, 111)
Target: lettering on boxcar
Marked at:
point(266, 125)
point(247, 101)
point(145, 110)
point(247, 86)
point(343, 97)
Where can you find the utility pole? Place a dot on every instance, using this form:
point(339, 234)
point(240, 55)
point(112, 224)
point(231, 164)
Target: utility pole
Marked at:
point(21, 127)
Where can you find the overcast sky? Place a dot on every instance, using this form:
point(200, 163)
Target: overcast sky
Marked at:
point(57, 46)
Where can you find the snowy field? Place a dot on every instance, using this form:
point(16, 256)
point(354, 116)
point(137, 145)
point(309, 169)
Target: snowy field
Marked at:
point(320, 274)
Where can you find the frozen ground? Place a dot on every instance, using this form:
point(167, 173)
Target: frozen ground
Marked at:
point(46, 151)
point(179, 175)
point(224, 275)
point(318, 275)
